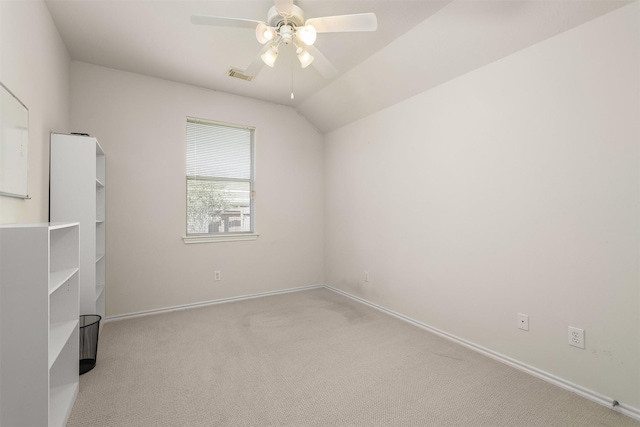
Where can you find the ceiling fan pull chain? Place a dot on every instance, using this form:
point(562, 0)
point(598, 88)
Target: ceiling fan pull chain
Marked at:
point(292, 81)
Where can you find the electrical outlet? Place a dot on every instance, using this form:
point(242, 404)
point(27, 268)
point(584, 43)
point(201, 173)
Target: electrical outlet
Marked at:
point(576, 337)
point(216, 275)
point(366, 276)
point(523, 321)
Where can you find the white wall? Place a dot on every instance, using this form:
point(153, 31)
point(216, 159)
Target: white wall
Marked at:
point(140, 123)
point(514, 188)
point(34, 65)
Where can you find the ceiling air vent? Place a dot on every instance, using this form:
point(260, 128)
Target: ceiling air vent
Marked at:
point(238, 74)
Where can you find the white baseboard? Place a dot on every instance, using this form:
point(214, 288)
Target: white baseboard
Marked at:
point(627, 410)
point(205, 303)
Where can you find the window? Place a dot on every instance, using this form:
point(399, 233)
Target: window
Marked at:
point(219, 180)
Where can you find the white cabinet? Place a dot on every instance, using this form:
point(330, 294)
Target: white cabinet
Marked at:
point(39, 314)
point(77, 193)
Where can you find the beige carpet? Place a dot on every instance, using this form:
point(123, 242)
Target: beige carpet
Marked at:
point(308, 358)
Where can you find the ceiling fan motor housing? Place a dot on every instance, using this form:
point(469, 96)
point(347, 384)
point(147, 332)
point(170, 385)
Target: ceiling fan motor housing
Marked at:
point(274, 19)
point(286, 33)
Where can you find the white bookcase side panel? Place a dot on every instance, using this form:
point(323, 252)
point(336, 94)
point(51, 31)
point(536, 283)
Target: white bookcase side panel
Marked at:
point(24, 302)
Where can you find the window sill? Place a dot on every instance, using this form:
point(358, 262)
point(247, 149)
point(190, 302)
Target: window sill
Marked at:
point(189, 240)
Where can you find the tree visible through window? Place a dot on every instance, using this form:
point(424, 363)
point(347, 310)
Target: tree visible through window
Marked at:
point(219, 178)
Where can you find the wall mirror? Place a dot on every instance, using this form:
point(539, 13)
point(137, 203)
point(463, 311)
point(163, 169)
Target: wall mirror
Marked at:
point(14, 141)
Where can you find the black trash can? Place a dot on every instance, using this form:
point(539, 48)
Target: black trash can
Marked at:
point(89, 328)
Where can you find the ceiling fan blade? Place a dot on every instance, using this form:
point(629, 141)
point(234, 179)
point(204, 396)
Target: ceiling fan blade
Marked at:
point(284, 7)
point(321, 63)
point(256, 65)
point(345, 23)
point(224, 22)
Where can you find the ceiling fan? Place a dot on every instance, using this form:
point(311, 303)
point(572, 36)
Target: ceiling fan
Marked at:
point(286, 25)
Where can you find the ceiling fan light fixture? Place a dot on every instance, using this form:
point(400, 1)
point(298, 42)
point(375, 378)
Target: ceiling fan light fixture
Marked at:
point(286, 33)
point(270, 56)
point(264, 33)
point(307, 34)
point(304, 57)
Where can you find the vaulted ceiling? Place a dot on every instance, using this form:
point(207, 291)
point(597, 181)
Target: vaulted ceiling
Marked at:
point(419, 44)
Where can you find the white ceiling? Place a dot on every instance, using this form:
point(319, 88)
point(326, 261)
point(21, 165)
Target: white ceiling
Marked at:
point(419, 44)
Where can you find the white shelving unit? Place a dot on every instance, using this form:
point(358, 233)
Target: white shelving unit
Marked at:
point(77, 193)
point(39, 283)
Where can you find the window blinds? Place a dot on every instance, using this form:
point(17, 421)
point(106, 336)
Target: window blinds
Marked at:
point(216, 151)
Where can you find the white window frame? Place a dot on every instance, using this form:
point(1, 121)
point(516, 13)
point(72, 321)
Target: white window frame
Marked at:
point(226, 236)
